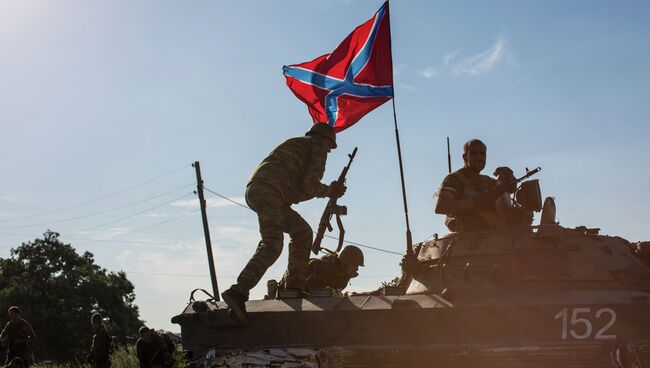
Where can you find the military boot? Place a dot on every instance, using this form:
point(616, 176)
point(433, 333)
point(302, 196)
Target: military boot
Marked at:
point(237, 303)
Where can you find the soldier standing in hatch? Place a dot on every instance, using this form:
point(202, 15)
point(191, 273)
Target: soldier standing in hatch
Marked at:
point(290, 174)
point(16, 336)
point(100, 351)
point(463, 194)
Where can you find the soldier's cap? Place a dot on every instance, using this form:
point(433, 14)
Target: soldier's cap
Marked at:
point(143, 330)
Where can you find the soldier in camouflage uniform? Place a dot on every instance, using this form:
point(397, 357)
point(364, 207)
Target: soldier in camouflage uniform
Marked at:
point(100, 351)
point(463, 193)
point(333, 271)
point(290, 174)
point(16, 336)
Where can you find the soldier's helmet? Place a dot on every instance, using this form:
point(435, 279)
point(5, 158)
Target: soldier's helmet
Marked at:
point(324, 130)
point(351, 255)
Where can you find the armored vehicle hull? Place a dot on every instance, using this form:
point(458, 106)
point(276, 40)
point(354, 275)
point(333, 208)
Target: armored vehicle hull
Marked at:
point(550, 297)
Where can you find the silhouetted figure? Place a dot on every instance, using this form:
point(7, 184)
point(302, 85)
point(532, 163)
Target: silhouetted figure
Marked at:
point(16, 336)
point(100, 351)
point(463, 195)
point(152, 350)
point(291, 174)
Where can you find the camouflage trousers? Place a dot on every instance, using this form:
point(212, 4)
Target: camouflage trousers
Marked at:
point(275, 218)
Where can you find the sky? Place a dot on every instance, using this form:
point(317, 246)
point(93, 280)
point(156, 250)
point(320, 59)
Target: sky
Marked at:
point(105, 104)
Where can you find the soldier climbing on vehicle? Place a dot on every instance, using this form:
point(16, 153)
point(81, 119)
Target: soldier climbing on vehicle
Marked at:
point(290, 174)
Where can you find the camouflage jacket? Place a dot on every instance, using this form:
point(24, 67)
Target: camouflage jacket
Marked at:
point(295, 168)
point(16, 334)
point(327, 272)
point(464, 184)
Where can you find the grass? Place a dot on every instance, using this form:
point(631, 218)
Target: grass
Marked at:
point(122, 357)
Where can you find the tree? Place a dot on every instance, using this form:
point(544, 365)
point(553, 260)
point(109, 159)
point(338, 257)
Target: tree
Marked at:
point(58, 290)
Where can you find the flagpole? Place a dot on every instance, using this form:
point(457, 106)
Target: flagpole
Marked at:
point(409, 239)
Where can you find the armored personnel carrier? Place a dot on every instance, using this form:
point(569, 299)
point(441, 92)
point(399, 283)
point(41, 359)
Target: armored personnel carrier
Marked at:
point(525, 296)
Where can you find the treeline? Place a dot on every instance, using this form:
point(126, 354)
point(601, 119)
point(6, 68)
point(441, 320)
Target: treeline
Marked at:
point(58, 290)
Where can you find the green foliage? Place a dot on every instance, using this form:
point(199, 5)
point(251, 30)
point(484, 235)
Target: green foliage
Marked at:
point(58, 290)
point(124, 357)
point(393, 282)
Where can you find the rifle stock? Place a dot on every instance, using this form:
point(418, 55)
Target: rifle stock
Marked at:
point(332, 209)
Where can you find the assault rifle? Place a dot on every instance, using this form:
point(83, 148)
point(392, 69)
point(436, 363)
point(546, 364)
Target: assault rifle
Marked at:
point(333, 209)
point(502, 188)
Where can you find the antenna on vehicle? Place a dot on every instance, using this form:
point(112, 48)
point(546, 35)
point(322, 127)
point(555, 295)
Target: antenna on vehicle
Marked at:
point(448, 156)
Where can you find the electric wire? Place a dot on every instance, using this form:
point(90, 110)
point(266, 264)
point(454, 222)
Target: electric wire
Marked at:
point(226, 198)
point(98, 212)
point(229, 276)
point(138, 213)
point(142, 228)
point(155, 244)
point(325, 235)
point(97, 198)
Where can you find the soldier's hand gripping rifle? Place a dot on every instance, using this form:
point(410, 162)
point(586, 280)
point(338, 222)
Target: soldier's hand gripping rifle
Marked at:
point(487, 199)
point(505, 187)
point(333, 209)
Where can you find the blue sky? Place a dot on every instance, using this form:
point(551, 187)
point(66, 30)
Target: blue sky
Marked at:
point(98, 96)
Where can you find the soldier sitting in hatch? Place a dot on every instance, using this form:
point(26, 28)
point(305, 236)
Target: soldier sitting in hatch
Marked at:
point(465, 196)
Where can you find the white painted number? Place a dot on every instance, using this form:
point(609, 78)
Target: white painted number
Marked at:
point(580, 327)
point(600, 335)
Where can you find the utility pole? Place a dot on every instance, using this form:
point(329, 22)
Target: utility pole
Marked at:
point(206, 230)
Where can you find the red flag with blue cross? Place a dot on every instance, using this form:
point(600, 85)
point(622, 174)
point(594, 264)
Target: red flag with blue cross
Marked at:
point(342, 87)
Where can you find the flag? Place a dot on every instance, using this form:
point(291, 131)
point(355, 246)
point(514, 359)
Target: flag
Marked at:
point(357, 77)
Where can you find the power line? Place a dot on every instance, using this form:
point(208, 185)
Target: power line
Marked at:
point(97, 198)
point(226, 198)
point(138, 213)
point(327, 236)
point(197, 275)
point(145, 228)
point(98, 212)
point(86, 240)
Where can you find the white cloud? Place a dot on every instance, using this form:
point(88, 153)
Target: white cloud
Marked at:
point(211, 202)
point(429, 72)
point(406, 87)
point(449, 58)
point(481, 63)
point(399, 70)
point(9, 198)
